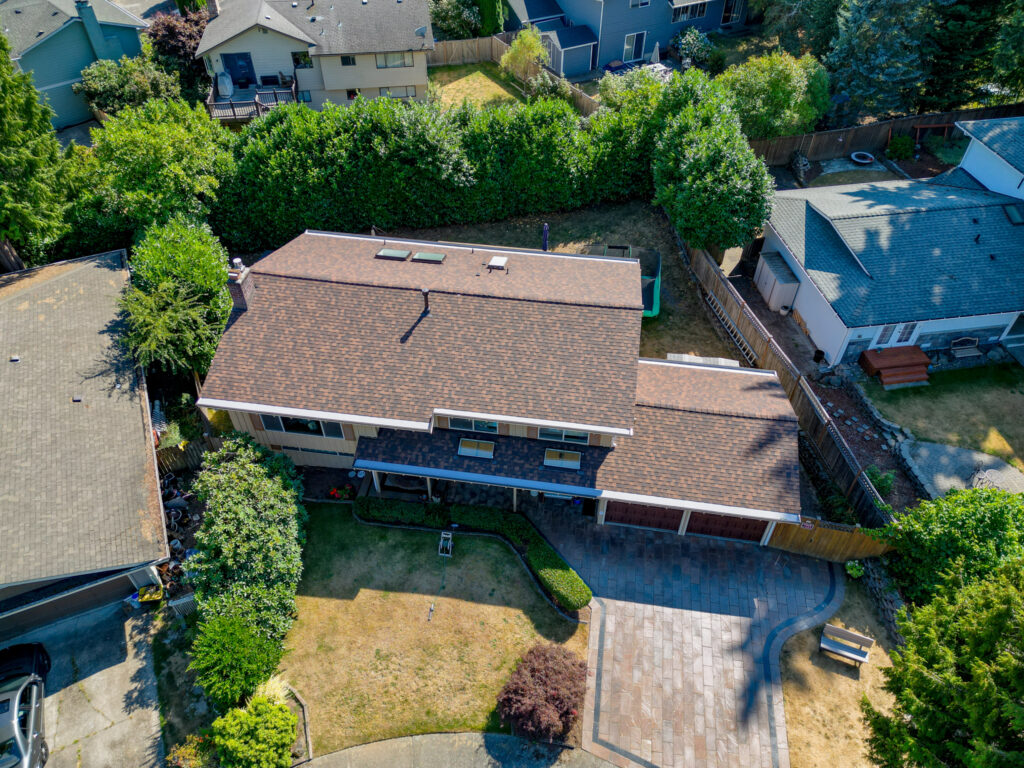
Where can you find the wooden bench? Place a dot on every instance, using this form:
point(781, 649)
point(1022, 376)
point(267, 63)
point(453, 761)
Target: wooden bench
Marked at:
point(964, 347)
point(843, 642)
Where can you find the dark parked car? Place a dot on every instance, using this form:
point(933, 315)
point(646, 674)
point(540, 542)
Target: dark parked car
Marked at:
point(23, 671)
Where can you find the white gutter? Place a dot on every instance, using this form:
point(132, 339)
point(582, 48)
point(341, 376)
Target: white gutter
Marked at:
point(704, 367)
point(302, 413)
point(700, 506)
point(533, 422)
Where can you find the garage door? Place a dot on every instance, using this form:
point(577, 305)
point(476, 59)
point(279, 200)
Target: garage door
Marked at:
point(726, 526)
point(643, 515)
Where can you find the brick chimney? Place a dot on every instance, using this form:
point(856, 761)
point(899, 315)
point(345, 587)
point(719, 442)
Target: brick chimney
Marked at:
point(240, 285)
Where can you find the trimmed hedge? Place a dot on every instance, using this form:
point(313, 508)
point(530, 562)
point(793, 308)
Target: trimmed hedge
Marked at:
point(560, 581)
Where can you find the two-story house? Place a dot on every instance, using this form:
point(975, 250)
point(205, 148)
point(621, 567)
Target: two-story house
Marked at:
point(583, 35)
point(434, 365)
point(906, 263)
point(335, 51)
point(56, 39)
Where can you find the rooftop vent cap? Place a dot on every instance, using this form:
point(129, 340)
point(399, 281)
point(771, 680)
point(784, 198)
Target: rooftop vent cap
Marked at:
point(76, 398)
point(498, 262)
point(15, 359)
point(237, 262)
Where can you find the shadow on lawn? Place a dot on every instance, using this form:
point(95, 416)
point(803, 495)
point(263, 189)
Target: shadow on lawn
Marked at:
point(344, 557)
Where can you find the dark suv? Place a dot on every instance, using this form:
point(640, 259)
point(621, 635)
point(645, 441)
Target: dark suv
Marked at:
point(23, 671)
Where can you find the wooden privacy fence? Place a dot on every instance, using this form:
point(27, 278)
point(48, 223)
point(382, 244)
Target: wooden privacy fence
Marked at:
point(177, 460)
point(829, 541)
point(825, 145)
point(477, 49)
point(760, 349)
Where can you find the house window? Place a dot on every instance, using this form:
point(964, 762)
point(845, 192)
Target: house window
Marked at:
point(303, 96)
point(392, 60)
point(351, 94)
point(633, 50)
point(332, 429)
point(272, 423)
point(731, 11)
point(639, 3)
point(562, 459)
point(399, 92)
point(885, 334)
point(689, 12)
point(473, 425)
point(564, 435)
point(348, 61)
point(906, 333)
point(459, 423)
point(479, 449)
point(302, 426)
point(302, 60)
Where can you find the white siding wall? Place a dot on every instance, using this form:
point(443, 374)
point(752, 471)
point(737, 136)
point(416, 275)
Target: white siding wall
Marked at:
point(247, 423)
point(271, 51)
point(367, 79)
point(823, 325)
point(992, 171)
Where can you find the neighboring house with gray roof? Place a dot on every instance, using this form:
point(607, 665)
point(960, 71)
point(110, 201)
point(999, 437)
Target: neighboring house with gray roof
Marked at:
point(995, 156)
point(81, 519)
point(56, 39)
point(334, 51)
point(903, 263)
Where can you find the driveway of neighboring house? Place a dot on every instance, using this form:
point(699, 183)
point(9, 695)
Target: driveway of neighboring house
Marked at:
point(101, 704)
point(683, 665)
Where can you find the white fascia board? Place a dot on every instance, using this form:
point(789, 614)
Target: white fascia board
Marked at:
point(573, 47)
point(533, 422)
point(302, 413)
point(471, 477)
point(700, 506)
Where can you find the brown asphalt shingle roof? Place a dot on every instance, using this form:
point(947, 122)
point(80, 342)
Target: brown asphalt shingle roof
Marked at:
point(331, 328)
point(78, 492)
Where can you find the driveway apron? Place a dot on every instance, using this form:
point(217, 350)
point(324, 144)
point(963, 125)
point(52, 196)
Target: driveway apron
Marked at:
point(683, 666)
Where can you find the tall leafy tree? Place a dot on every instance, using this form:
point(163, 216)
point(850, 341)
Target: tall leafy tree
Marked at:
point(526, 54)
point(715, 190)
point(1008, 57)
point(959, 682)
point(802, 25)
point(876, 59)
point(31, 206)
point(175, 39)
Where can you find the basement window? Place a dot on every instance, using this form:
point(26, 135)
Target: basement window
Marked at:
point(562, 459)
point(479, 449)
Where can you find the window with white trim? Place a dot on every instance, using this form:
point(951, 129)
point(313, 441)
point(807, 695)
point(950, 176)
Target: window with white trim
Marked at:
point(639, 3)
point(478, 449)
point(885, 334)
point(689, 12)
point(302, 60)
point(473, 425)
point(564, 435)
point(399, 92)
point(906, 333)
point(392, 60)
point(294, 426)
point(348, 61)
point(562, 459)
point(633, 47)
point(332, 429)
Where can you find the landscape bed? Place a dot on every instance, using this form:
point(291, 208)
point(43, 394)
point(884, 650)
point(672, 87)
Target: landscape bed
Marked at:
point(393, 640)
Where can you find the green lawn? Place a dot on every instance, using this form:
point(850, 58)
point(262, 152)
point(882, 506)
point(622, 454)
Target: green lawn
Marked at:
point(482, 84)
point(739, 49)
point(371, 659)
point(979, 408)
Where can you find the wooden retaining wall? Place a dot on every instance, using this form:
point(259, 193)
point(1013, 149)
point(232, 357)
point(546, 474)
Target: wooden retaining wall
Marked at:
point(477, 49)
point(829, 541)
point(874, 137)
point(760, 348)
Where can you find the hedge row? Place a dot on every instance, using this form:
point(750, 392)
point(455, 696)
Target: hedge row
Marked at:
point(561, 582)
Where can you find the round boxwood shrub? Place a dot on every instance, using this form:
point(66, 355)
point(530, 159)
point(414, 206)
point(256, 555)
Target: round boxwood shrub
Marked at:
point(259, 736)
point(544, 696)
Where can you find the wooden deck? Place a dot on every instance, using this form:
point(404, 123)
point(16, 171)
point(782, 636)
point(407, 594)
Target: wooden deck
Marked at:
point(896, 366)
point(247, 104)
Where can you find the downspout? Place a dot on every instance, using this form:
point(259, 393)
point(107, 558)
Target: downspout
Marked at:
point(600, 32)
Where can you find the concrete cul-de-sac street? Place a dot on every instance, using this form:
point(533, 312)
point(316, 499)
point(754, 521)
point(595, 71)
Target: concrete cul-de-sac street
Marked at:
point(683, 668)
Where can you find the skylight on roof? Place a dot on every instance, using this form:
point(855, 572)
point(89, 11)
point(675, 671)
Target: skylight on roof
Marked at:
point(1015, 213)
point(392, 254)
point(428, 257)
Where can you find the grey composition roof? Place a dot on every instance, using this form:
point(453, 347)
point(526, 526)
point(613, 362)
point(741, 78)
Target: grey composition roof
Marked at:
point(25, 22)
point(571, 37)
point(78, 491)
point(338, 27)
point(925, 251)
point(779, 267)
point(532, 10)
point(1004, 136)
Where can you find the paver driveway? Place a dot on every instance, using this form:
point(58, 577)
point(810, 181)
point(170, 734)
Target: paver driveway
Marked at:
point(683, 667)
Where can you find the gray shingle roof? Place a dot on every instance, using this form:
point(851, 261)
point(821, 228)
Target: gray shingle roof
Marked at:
point(571, 37)
point(25, 22)
point(79, 491)
point(340, 27)
point(1004, 136)
point(926, 251)
point(532, 10)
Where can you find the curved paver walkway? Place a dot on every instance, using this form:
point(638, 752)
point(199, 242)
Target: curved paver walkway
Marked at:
point(683, 666)
point(458, 750)
point(943, 468)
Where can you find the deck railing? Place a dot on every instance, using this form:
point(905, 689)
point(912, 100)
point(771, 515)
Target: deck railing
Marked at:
point(241, 110)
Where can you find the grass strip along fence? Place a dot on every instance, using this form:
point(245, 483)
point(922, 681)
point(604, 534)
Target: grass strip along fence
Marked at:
point(561, 582)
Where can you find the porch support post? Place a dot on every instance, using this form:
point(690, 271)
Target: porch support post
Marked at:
point(376, 480)
point(768, 534)
point(684, 522)
point(515, 500)
point(430, 490)
point(602, 507)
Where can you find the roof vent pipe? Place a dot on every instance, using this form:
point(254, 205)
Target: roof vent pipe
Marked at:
point(426, 301)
